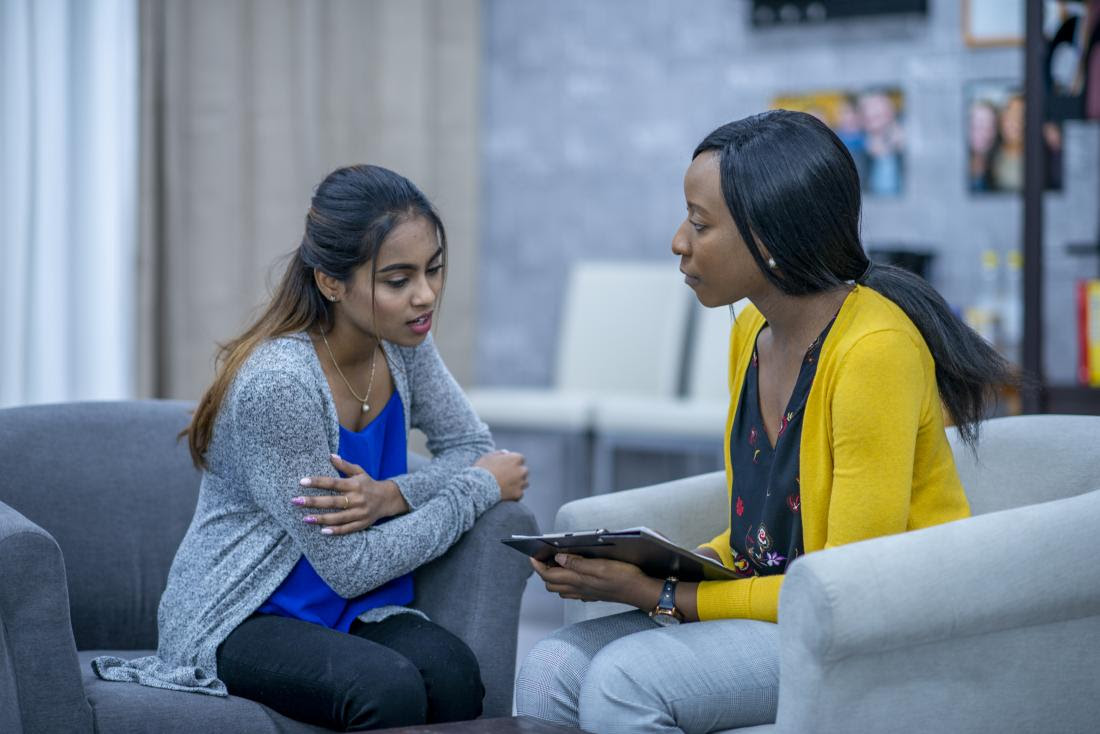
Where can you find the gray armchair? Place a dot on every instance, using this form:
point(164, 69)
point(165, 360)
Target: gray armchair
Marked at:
point(988, 624)
point(94, 500)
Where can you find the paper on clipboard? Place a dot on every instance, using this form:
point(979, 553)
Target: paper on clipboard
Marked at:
point(648, 549)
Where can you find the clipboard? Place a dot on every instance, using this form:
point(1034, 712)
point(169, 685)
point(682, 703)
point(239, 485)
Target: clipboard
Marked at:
point(647, 549)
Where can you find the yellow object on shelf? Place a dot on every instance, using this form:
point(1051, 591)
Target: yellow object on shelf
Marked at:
point(1089, 326)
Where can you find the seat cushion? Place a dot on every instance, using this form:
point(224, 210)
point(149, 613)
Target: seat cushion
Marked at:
point(120, 708)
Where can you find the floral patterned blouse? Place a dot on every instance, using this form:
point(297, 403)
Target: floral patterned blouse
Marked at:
point(765, 515)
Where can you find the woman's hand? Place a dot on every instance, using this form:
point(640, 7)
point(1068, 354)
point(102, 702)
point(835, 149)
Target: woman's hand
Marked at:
point(599, 579)
point(361, 501)
point(708, 552)
point(510, 471)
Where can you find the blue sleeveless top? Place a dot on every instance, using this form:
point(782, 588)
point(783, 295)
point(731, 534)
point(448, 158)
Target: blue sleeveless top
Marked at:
point(381, 449)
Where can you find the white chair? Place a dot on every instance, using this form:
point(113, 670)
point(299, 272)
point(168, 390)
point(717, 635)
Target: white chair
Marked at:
point(988, 624)
point(622, 332)
point(692, 425)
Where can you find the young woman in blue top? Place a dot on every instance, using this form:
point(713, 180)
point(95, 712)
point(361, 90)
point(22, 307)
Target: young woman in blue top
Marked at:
point(290, 585)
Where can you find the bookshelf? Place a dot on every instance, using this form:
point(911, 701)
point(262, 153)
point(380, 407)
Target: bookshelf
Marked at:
point(1044, 398)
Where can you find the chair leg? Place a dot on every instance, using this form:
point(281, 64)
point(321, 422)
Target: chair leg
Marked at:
point(603, 462)
point(584, 448)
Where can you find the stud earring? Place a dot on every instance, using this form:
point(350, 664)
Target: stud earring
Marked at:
point(332, 298)
point(771, 263)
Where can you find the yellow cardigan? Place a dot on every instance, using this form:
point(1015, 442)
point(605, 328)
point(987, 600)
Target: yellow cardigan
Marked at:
point(874, 458)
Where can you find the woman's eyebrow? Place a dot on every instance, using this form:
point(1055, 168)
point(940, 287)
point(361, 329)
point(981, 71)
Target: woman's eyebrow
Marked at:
point(397, 266)
point(409, 266)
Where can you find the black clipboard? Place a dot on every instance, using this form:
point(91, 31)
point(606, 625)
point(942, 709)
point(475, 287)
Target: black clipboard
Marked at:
point(647, 549)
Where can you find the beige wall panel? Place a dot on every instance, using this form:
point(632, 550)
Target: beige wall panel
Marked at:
point(256, 102)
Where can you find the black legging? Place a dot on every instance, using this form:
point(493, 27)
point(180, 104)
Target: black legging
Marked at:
point(401, 671)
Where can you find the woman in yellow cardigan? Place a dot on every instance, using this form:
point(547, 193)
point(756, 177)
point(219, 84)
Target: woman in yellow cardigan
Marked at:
point(839, 374)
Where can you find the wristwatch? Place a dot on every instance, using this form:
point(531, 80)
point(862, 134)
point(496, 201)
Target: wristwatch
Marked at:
point(666, 613)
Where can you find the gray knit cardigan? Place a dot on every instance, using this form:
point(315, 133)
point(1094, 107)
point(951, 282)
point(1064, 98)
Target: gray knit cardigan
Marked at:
point(278, 423)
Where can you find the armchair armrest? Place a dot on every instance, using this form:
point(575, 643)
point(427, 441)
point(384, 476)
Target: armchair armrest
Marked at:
point(40, 686)
point(984, 624)
point(688, 511)
point(474, 591)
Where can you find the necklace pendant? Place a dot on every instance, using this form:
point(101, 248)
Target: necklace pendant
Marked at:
point(366, 408)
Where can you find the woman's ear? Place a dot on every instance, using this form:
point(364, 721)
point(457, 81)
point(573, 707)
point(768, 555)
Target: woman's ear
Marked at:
point(332, 289)
point(768, 259)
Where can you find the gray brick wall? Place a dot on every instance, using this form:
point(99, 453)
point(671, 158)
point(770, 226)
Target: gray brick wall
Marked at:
point(591, 110)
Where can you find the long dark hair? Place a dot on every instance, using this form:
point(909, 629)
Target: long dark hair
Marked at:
point(352, 212)
point(792, 187)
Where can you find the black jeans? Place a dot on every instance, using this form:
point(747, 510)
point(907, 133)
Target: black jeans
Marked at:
point(401, 671)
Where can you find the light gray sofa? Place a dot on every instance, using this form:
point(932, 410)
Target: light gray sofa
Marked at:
point(94, 499)
point(989, 624)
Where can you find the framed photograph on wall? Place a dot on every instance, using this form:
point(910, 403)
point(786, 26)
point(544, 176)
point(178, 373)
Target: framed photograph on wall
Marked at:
point(870, 122)
point(995, 139)
point(993, 22)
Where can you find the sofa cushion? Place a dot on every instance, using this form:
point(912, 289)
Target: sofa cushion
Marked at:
point(121, 708)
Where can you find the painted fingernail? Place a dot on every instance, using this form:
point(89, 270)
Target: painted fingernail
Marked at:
point(304, 481)
point(298, 501)
point(560, 559)
point(309, 518)
point(326, 531)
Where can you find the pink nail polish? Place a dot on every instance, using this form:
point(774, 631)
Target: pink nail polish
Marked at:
point(309, 518)
point(326, 531)
point(304, 481)
point(298, 501)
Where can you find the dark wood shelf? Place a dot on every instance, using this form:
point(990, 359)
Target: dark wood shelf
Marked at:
point(1071, 399)
point(1083, 249)
point(1076, 399)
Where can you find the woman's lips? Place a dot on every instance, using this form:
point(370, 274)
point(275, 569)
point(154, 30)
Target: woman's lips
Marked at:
point(421, 325)
point(691, 280)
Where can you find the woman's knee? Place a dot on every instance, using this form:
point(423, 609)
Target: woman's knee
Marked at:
point(695, 678)
point(549, 679)
point(621, 687)
point(380, 698)
point(452, 678)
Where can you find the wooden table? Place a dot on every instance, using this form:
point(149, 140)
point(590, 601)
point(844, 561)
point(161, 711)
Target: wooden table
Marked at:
point(510, 725)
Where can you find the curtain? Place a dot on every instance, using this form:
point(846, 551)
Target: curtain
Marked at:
point(68, 178)
point(246, 106)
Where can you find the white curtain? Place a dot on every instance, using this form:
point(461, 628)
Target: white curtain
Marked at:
point(68, 199)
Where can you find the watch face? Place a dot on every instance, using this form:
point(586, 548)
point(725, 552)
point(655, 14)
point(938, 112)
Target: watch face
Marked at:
point(665, 620)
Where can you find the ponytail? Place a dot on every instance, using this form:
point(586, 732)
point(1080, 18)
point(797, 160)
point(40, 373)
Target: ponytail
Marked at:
point(296, 306)
point(967, 367)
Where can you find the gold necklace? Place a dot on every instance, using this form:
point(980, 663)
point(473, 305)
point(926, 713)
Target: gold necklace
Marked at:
point(370, 383)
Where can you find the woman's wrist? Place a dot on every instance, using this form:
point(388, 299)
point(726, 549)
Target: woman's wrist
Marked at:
point(644, 595)
point(395, 501)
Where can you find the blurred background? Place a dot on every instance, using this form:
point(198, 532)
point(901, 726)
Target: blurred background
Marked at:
point(158, 157)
